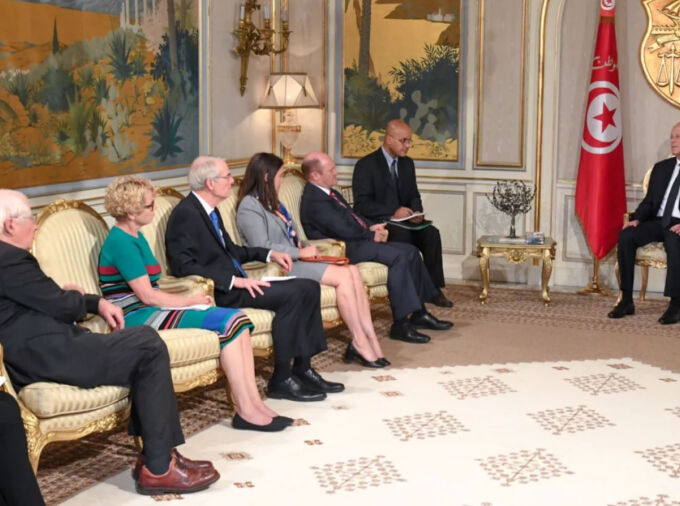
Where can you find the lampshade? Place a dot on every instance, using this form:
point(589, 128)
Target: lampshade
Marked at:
point(289, 91)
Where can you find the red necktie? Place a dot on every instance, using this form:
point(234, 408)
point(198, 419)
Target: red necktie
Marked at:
point(355, 216)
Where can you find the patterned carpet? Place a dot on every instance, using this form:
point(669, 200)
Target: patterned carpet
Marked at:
point(593, 432)
point(67, 468)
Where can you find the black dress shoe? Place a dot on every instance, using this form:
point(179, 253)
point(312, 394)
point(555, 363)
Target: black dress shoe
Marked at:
point(406, 332)
point(383, 361)
point(313, 381)
point(276, 425)
point(441, 300)
point(292, 389)
point(670, 316)
point(623, 308)
point(352, 354)
point(427, 321)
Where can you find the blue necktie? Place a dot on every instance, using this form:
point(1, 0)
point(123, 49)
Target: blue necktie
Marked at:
point(216, 224)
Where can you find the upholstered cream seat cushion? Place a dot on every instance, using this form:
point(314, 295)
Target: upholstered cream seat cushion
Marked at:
point(47, 400)
point(374, 276)
point(262, 319)
point(652, 252)
point(189, 346)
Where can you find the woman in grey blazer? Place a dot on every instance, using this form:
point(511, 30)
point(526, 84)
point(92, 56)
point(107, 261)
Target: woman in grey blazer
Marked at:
point(264, 222)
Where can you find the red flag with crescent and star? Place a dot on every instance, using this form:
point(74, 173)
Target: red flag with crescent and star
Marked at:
point(601, 187)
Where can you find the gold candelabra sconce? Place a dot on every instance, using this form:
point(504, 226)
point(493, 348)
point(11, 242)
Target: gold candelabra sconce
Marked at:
point(259, 41)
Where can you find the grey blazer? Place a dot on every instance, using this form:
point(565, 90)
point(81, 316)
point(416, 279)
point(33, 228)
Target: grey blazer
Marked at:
point(260, 228)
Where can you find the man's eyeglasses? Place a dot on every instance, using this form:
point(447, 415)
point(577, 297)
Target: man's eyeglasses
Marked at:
point(406, 141)
point(228, 176)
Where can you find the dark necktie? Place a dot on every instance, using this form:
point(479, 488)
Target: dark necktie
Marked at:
point(216, 224)
point(354, 215)
point(393, 171)
point(670, 203)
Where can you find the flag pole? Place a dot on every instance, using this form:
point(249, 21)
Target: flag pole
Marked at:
point(594, 287)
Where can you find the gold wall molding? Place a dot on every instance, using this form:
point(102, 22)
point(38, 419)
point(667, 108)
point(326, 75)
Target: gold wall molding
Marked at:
point(539, 115)
point(480, 86)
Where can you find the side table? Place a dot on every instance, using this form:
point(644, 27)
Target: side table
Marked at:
point(516, 253)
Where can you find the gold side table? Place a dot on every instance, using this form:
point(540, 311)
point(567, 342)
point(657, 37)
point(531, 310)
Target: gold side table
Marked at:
point(516, 253)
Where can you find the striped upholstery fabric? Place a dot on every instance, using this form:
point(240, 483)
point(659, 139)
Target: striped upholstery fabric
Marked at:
point(68, 242)
point(154, 232)
point(46, 400)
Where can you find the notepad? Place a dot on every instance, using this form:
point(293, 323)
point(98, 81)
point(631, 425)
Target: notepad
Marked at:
point(409, 217)
point(196, 307)
point(269, 279)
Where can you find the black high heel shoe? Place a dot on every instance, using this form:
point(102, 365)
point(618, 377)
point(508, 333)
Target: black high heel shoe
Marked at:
point(352, 354)
point(383, 361)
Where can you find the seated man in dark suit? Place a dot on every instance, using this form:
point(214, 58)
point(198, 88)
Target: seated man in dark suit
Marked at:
point(384, 186)
point(43, 343)
point(197, 243)
point(657, 218)
point(324, 213)
point(17, 481)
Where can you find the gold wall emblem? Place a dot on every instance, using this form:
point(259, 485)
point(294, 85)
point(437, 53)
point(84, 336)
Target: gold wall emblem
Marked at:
point(660, 48)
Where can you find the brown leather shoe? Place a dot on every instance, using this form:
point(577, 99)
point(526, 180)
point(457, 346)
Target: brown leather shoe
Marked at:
point(177, 480)
point(181, 460)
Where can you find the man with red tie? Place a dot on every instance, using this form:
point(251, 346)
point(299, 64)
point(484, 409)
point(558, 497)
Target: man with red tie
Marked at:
point(324, 213)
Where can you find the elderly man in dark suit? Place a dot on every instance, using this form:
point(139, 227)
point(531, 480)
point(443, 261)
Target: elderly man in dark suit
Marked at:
point(43, 343)
point(197, 243)
point(384, 186)
point(325, 213)
point(657, 218)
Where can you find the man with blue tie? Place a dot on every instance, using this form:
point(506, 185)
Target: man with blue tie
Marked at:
point(197, 243)
point(657, 218)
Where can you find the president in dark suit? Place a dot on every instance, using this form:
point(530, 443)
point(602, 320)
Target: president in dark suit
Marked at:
point(324, 213)
point(384, 186)
point(657, 218)
point(197, 243)
point(43, 343)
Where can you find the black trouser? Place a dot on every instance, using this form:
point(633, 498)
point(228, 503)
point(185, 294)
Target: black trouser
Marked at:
point(632, 238)
point(408, 282)
point(135, 357)
point(18, 486)
point(297, 329)
point(429, 242)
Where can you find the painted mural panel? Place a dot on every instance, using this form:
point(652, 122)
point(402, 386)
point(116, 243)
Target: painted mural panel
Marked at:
point(401, 59)
point(96, 88)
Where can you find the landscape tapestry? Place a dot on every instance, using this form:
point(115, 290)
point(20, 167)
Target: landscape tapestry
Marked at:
point(96, 88)
point(401, 59)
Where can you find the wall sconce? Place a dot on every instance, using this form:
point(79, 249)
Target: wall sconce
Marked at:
point(288, 91)
point(255, 40)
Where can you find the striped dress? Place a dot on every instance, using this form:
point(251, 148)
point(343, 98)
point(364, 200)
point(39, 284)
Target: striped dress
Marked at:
point(124, 258)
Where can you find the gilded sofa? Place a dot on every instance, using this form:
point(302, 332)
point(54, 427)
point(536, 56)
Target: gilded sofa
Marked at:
point(67, 247)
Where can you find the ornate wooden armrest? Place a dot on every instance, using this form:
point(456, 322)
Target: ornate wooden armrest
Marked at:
point(188, 285)
point(329, 247)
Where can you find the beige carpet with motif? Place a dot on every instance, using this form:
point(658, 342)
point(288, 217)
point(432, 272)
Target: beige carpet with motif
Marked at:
point(602, 432)
point(456, 429)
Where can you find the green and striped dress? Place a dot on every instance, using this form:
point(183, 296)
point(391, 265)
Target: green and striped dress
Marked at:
point(124, 258)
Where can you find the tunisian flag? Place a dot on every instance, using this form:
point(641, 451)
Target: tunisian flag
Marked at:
point(600, 187)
